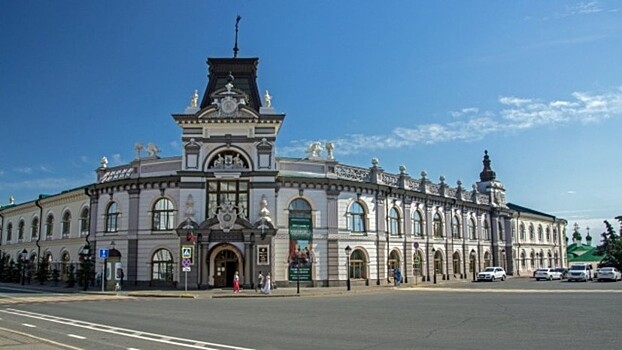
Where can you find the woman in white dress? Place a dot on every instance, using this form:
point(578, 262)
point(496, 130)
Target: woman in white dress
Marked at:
point(267, 284)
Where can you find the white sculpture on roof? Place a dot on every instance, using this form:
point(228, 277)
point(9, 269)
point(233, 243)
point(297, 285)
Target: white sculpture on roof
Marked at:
point(194, 101)
point(104, 162)
point(267, 99)
point(152, 150)
point(314, 149)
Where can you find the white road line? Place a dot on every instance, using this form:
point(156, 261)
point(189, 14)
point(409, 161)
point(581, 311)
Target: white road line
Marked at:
point(64, 346)
point(76, 336)
point(181, 342)
point(487, 290)
point(29, 325)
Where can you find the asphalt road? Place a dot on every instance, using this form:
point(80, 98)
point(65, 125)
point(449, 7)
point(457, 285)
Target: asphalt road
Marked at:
point(516, 314)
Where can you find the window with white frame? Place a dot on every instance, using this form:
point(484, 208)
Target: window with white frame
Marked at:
point(472, 229)
point(34, 228)
point(438, 226)
point(357, 218)
point(163, 215)
point(84, 222)
point(49, 226)
point(112, 217)
point(455, 227)
point(394, 222)
point(417, 224)
point(486, 230)
point(66, 224)
point(20, 230)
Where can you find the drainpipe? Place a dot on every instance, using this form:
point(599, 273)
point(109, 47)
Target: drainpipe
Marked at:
point(38, 204)
point(1, 230)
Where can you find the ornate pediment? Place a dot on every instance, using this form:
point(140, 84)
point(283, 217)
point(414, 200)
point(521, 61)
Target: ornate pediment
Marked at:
point(226, 214)
point(228, 160)
point(228, 101)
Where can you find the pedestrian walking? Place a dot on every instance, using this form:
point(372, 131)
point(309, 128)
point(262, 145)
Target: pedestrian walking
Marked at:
point(398, 277)
point(267, 284)
point(259, 285)
point(236, 283)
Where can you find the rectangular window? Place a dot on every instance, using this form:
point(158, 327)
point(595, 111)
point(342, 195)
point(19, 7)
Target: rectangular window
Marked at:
point(227, 191)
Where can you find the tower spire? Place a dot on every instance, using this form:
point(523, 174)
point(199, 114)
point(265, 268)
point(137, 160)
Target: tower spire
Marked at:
point(235, 48)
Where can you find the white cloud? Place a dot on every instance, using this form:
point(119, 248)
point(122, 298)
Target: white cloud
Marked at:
point(116, 159)
point(514, 114)
point(571, 192)
point(24, 170)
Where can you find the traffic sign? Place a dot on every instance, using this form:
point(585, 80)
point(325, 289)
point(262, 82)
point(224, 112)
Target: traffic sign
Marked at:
point(185, 262)
point(186, 269)
point(103, 253)
point(186, 252)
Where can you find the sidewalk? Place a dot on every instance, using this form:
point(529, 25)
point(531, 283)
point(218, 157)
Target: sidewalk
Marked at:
point(290, 291)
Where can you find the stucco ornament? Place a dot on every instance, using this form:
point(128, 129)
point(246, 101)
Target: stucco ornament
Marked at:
point(227, 214)
point(264, 213)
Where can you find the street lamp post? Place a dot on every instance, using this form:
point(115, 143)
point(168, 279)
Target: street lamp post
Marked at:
point(86, 257)
point(348, 251)
point(24, 261)
point(298, 273)
point(434, 265)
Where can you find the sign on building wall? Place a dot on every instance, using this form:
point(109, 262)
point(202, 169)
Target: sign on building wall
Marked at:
point(300, 249)
point(263, 254)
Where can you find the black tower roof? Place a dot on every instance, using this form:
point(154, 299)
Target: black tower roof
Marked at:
point(244, 72)
point(487, 174)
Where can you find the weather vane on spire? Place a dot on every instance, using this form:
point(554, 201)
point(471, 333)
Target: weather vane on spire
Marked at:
point(235, 48)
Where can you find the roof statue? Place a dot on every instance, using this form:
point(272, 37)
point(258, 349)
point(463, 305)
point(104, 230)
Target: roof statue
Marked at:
point(268, 99)
point(152, 150)
point(314, 150)
point(194, 101)
point(138, 147)
point(104, 162)
point(330, 148)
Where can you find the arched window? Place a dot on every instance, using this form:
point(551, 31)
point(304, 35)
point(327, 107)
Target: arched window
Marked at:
point(417, 224)
point(541, 259)
point(500, 231)
point(548, 234)
point(532, 257)
point(66, 224)
point(438, 262)
point(9, 232)
point(540, 233)
point(64, 268)
point(487, 261)
point(20, 230)
point(523, 260)
point(532, 235)
point(163, 215)
point(394, 222)
point(357, 218)
point(358, 265)
point(550, 256)
point(456, 263)
point(522, 232)
point(300, 208)
point(486, 230)
point(438, 226)
point(84, 222)
point(472, 229)
point(34, 228)
point(49, 227)
point(554, 235)
point(455, 227)
point(162, 266)
point(112, 217)
point(417, 264)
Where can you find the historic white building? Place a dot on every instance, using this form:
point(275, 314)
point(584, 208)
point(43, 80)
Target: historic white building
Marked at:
point(227, 204)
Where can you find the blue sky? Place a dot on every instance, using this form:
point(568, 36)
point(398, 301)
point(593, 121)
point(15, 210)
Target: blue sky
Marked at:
point(427, 84)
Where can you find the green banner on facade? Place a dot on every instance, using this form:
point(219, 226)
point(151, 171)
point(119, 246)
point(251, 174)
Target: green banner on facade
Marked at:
point(300, 249)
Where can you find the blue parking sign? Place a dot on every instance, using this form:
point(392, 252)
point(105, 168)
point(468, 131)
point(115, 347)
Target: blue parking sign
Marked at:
point(103, 253)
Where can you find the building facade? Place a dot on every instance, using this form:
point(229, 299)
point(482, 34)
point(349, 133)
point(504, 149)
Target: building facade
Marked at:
point(228, 204)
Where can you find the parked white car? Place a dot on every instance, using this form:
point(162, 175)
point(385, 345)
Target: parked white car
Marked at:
point(609, 274)
point(547, 274)
point(492, 274)
point(580, 272)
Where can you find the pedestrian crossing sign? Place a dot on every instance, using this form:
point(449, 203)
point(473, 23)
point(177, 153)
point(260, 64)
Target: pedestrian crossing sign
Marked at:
point(186, 252)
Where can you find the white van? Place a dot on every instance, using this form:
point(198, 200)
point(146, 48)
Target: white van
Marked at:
point(580, 272)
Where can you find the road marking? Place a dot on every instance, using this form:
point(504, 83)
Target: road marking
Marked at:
point(489, 290)
point(181, 342)
point(29, 325)
point(65, 346)
point(76, 336)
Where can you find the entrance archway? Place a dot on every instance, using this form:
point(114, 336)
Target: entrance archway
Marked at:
point(226, 260)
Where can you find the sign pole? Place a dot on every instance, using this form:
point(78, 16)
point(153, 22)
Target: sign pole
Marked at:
point(186, 281)
point(104, 275)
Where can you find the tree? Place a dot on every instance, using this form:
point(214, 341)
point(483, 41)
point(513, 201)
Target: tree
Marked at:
point(611, 247)
point(43, 271)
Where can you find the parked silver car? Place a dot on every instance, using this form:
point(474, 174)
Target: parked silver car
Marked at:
point(580, 272)
point(609, 274)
